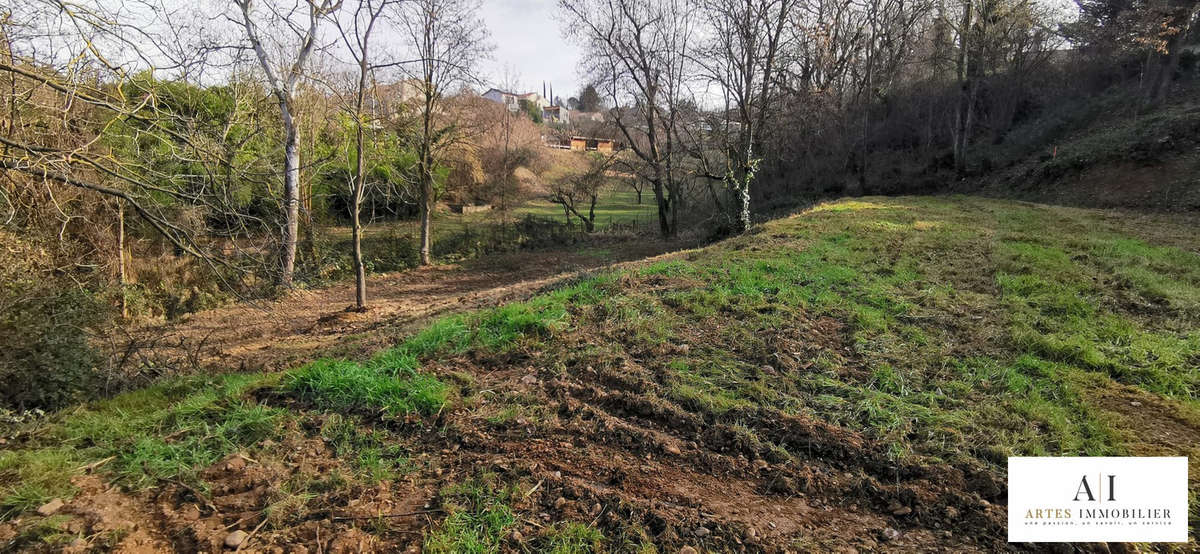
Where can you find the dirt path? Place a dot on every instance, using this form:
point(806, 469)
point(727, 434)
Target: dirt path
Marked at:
point(309, 324)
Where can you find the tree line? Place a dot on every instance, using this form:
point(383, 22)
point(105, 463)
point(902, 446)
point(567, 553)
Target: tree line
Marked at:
point(743, 104)
point(170, 111)
point(224, 132)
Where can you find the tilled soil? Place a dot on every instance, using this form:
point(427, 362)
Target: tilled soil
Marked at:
point(597, 441)
point(631, 465)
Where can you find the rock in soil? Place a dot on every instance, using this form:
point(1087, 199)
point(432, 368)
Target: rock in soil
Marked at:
point(235, 539)
point(50, 508)
point(235, 463)
point(899, 509)
point(687, 550)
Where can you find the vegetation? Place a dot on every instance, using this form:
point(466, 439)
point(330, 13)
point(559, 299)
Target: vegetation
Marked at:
point(159, 193)
point(876, 358)
point(479, 517)
point(161, 433)
point(899, 272)
point(947, 330)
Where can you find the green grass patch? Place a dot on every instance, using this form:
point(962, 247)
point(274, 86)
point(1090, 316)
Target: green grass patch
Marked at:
point(369, 450)
point(616, 205)
point(390, 382)
point(960, 314)
point(164, 432)
point(571, 537)
point(479, 517)
point(344, 385)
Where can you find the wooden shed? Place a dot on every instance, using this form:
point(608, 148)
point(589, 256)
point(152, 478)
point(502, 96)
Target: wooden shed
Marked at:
point(593, 143)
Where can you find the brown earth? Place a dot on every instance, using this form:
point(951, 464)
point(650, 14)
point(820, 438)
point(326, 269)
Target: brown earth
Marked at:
point(1153, 425)
point(307, 324)
point(591, 443)
point(595, 439)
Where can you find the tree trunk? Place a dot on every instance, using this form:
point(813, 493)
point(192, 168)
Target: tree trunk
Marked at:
point(291, 198)
point(675, 204)
point(664, 224)
point(1168, 62)
point(426, 167)
point(744, 215)
point(426, 216)
point(360, 271)
point(591, 218)
point(122, 278)
point(962, 114)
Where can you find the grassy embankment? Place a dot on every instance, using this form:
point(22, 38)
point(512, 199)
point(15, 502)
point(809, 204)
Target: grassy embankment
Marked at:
point(946, 330)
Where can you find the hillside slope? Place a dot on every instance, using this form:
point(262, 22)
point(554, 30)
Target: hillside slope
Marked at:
point(1106, 151)
point(849, 378)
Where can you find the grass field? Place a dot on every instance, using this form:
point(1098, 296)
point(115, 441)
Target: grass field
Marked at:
point(616, 205)
point(878, 358)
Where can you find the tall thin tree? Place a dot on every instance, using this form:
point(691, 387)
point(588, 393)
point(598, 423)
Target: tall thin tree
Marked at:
point(356, 29)
point(638, 52)
point(284, 73)
point(448, 39)
point(740, 57)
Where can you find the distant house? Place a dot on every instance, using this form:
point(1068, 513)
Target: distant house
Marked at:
point(512, 101)
point(389, 99)
point(502, 97)
point(581, 116)
point(557, 114)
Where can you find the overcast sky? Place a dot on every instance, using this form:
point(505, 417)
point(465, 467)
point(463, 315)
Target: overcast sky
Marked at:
point(529, 45)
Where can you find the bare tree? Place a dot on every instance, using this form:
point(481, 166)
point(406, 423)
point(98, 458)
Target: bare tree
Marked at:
point(507, 157)
point(293, 44)
point(578, 187)
point(638, 52)
point(994, 36)
point(356, 29)
point(740, 58)
point(82, 75)
point(448, 38)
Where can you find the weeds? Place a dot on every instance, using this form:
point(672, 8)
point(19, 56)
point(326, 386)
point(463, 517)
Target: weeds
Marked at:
point(959, 313)
point(344, 385)
point(164, 432)
point(369, 450)
point(948, 329)
point(572, 537)
point(479, 517)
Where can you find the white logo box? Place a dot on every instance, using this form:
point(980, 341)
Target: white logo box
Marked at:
point(1097, 499)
